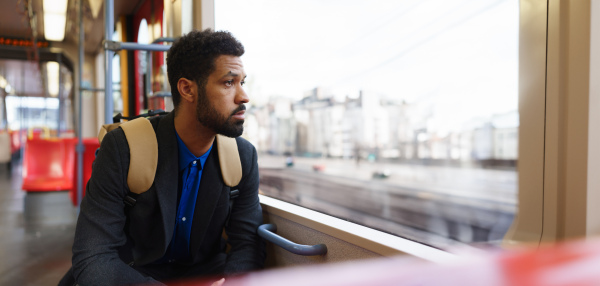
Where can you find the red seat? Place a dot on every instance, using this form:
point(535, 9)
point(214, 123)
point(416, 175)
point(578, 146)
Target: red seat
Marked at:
point(48, 165)
point(89, 155)
point(15, 140)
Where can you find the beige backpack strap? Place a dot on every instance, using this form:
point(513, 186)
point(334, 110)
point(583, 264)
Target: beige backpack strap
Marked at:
point(143, 152)
point(229, 159)
point(105, 129)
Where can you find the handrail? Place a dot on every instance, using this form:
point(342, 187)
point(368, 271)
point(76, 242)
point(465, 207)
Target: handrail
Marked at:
point(267, 231)
point(163, 40)
point(117, 46)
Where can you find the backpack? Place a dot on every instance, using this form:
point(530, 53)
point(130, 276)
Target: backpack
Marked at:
point(144, 156)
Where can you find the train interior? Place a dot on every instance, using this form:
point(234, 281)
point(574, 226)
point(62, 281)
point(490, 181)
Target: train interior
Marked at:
point(399, 142)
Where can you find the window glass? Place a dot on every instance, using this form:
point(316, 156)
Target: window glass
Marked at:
point(116, 73)
point(398, 115)
point(116, 83)
point(142, 62)
point(31, 112)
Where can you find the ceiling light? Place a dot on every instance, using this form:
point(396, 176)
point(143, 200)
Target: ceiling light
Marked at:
point(55, 18)
point(52, 69)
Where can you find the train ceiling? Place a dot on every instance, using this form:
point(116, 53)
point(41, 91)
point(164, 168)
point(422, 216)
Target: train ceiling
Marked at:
point(24, 19)
point(14, 20)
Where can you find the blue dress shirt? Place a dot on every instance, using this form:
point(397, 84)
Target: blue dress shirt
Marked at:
point(190, 172)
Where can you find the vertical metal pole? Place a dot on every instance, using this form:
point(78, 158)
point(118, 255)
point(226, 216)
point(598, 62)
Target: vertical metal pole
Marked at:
point(61, 103)
point(149, 91)
point(24, 116)
point(109, 20)
point(80, 148)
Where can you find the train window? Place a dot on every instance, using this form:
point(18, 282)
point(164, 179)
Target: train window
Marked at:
point(397, 115)
point(142, 62)
point(116, 82)
point(31, 112)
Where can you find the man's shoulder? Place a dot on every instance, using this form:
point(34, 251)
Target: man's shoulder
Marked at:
point(155, 120)
point(244, 146)
point(119, 138)
point(247, 152)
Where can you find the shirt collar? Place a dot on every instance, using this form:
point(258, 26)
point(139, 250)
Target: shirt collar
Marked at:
point(186, 157)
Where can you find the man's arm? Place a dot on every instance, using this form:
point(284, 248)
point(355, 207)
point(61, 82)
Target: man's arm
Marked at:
point(247, 248)
point(101, 222)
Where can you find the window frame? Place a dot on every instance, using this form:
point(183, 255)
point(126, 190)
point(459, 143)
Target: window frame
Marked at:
point(557, 178)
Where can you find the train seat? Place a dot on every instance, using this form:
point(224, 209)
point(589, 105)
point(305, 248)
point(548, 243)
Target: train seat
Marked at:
point(49, 164)
point(89, 155)
point(15, 141)
point(4, 147)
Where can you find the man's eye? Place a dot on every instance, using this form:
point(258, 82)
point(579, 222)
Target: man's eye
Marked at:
point(229, 83)
point(243, 82)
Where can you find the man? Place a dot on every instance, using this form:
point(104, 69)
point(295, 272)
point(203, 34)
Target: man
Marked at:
point(174, 230)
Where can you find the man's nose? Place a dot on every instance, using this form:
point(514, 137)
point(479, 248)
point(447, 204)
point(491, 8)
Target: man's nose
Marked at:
point(241, 96)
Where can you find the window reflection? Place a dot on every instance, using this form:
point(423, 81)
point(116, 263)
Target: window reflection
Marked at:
point(398, 115)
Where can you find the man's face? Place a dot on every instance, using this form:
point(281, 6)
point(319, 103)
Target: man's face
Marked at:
point(221, 103)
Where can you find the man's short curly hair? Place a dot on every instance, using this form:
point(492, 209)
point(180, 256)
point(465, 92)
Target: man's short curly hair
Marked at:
point(193, 57)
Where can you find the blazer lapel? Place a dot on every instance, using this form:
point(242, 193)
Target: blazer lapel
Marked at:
point(209, 192)
point(166, 180)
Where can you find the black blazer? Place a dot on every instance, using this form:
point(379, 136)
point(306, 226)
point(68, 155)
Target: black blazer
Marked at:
point(110, 237)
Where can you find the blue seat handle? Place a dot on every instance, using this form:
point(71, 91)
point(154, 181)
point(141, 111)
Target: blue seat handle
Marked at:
point(267, 231)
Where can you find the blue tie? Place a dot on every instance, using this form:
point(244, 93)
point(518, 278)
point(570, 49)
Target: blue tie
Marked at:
point(186, 210)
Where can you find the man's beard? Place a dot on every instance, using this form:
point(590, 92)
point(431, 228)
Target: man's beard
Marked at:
point(208, 116)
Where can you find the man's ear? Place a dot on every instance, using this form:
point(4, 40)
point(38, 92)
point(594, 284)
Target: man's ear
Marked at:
point(187, 89)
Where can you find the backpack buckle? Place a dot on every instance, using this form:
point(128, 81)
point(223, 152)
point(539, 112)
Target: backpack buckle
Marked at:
point(128, 200)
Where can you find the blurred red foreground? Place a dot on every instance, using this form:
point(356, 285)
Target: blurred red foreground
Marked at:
point(572, 263)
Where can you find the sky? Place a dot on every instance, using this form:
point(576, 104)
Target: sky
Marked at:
point(461, 53)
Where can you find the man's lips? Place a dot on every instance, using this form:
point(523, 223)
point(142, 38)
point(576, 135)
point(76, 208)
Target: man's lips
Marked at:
point(241, 115)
